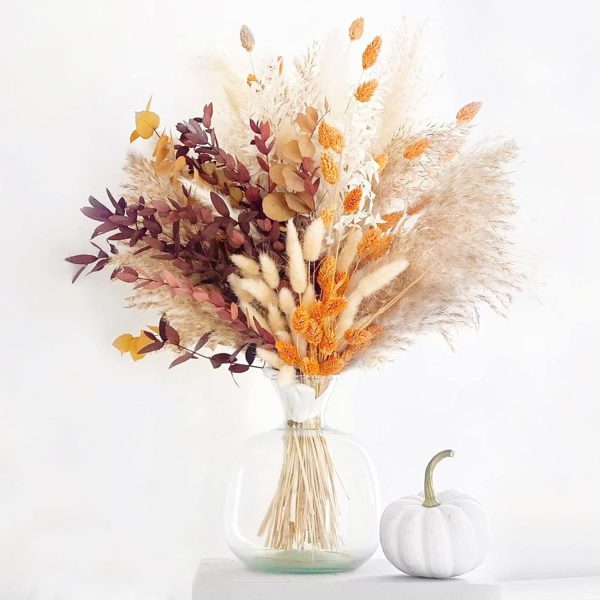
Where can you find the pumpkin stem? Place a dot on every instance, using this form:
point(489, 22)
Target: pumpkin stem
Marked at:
point(430, 499)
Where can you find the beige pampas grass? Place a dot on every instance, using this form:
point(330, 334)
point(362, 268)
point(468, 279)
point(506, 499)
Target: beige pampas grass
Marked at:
point(234, 282)
point(296, 265)
point(313, 240)
point(276, 320)
point(248, 267)
point(269, 269)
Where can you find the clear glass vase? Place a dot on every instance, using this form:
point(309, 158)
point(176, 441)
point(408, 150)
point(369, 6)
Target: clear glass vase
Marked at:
point(303, 498)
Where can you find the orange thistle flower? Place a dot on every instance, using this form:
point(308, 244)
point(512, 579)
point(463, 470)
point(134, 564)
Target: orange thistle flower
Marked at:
point(416, 148)
point(330, 137)
point(330, 171)
point(358, 336)
point(391, 220)
point(468, 112)
point(352, 200)
point(419, 205)
point(382, 160)
point(317, 310)
point(329, 342)
point(334, 306)
point(309, 366)
point(328, 215)
point(356, 29)
point(371, 53)
point(364, 92)
point(326, 275)
point(314, 332)
point(288, 352)
point(300, 319)
point(333, 365)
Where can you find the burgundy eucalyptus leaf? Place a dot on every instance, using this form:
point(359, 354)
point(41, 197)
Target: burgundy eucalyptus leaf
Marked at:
point(250, 353)
point(238, 368)
point(153, 347)
point(219, 204)
point(81, 259)
point(181, 359)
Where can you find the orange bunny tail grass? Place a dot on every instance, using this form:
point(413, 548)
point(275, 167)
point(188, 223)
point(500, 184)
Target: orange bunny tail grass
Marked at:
point(341, 283)
point(371, 53)
point(374, 244)
point(352, 200)
point(356, 29)
point(382, 160)
point(309, 366)
point(415, 149)
point(300, 319)
point(328, 215)
point(329, 343)
point(330, 137)
point(468, 112)
point(358, 336)
point(317, 310)
point(314, 332)
point(288, 352)
point(334, 306)
point(391, 220)
point(365, 91)
point(333, 365)
point(326, 275)
point(330, 170)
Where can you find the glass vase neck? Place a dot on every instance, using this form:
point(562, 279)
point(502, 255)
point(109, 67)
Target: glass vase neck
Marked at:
point(304, 401)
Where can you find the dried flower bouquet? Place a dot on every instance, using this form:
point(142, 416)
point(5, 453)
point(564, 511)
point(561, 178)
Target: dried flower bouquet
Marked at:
point(316, 223)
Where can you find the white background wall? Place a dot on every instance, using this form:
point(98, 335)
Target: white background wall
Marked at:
point(112, 475)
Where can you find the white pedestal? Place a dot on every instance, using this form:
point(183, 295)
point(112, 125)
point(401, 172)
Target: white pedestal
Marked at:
point(376, 580)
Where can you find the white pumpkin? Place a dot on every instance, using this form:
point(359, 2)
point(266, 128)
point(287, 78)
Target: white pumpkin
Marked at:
point(441, 537)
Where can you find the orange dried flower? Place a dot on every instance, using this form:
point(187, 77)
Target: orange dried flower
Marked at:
point(374, 244)
point(382, 160)
point(341, 283)
point(468, 112)
point(288, 352)
point(251, 79)
point(364, 92)
point(334, 306)
point(358, 336)
point(314, 332)
point(356, 29)
point(416, 148)
point(300, 319)
point(309, 366)
point(419, 205)
point(330, 170)
point(333, 365)
point(352, 200)
point(329, 343)
point(328, 215)
point(330, 137)
point(391, 220)
point(317, 310)
point(326, 275)
point(371, 52)
point(347, 354)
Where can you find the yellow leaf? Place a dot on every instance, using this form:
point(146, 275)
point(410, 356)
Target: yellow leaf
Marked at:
point(307, 148)
point(161, 150)
point(276, 174)
point(293, 181)
point(134, 136)
point(138, 344)
point(179, 163)
point(146, 122)
point(148, 103)
point(153, 328)
point(291, 151)
point(123, 342)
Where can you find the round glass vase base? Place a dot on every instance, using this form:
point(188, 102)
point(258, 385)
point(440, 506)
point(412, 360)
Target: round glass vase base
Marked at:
point(300, 561)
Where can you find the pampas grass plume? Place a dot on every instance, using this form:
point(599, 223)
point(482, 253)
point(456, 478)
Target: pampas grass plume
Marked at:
point(270, 272)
